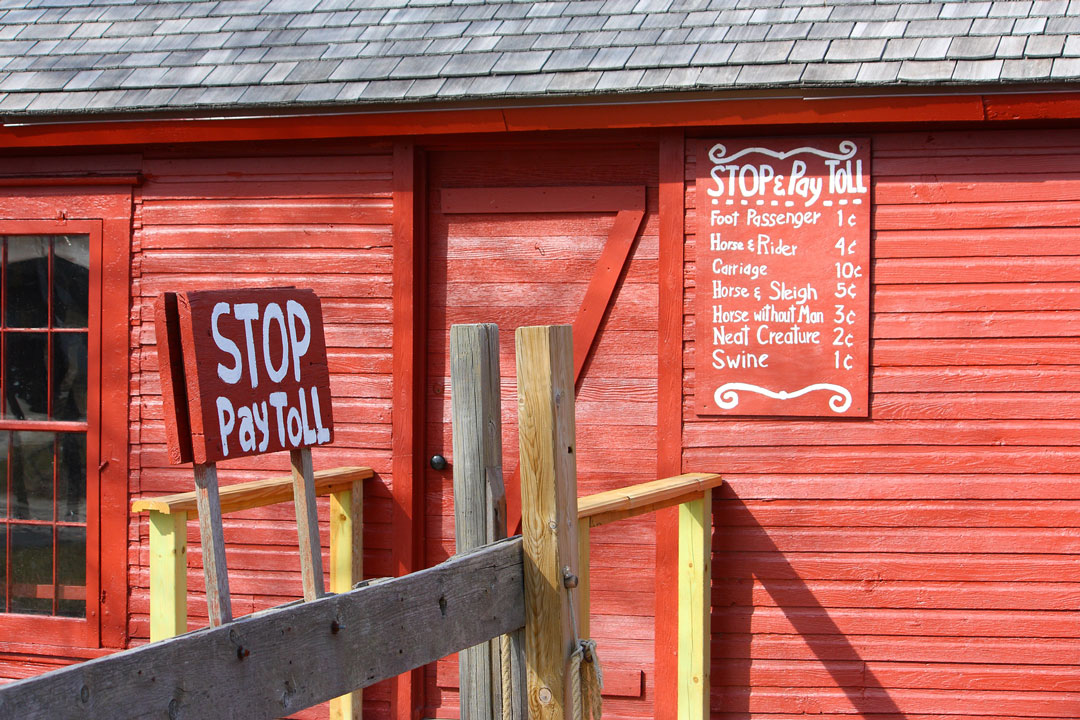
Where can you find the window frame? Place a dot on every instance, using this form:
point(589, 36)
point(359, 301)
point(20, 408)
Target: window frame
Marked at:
point(50, 629)
point(105, 215)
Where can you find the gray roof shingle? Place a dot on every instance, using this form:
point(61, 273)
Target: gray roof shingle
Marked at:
point(75, 57)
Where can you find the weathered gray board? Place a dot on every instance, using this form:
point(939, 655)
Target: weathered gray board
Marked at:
point(286, 659)
point(480, 506)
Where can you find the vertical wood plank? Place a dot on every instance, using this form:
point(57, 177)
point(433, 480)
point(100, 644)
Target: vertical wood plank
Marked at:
point(346, 538)
point(407, 415)
point(695, 575)
point(346, 568)
point(669, 411)
point(307, 523)
point(479, 495)
point(212, 536)
point(168, 575)
point(582, 593)
point(549, 511)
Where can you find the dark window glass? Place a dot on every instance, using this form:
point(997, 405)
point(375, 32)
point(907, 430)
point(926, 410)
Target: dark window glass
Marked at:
point(45, 314)
point(26, 370)
point(27, 303)
point(71, 280)
point(4, 440)
point(71, 571)
point(71, 477)
point(3, 564)
point(31, 569)
point(69, 376)
point(32, 475)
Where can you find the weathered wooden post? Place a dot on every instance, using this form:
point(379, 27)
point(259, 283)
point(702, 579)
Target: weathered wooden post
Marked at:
point(487, 689)
point(545, 368)
point(479, 494)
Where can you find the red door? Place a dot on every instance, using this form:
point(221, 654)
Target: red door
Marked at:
point(543, 235)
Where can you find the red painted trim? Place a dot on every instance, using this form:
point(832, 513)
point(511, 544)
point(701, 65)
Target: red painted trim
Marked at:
point(105, 214)
point(409, 282)
point(605, 278)
point(669, 417)
point(113, 448)
point(599, 198)
point(823, 109)
point(64, 181)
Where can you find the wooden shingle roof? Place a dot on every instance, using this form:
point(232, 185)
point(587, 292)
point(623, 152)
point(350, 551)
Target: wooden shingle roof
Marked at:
point(77, 57)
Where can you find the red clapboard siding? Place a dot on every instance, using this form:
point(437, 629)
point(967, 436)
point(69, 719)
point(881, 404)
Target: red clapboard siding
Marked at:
point(919, 564)
point(320, 222)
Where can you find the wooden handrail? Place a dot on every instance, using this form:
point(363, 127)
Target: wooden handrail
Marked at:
point(639, 499)
point(257, 493)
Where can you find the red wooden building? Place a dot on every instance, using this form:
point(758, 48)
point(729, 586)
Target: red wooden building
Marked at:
point(422, 164)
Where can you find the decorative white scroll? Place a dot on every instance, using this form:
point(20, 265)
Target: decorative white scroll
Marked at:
point(846, 150)
point(727, 397)
point(718, 155)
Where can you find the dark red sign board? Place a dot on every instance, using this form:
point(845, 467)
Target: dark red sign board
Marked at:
point(243, 372)
point(783, 277)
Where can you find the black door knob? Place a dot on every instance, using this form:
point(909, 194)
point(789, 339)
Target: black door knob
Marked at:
point(438, 462)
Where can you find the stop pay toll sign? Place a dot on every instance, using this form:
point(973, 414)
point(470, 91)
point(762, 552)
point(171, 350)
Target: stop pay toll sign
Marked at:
point(243, 372)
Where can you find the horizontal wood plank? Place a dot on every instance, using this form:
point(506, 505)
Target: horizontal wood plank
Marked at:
point(246, 495)
point(542, 199)
point(617, 504)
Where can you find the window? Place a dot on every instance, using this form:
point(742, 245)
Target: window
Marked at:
point(44, 292)
point(50, 432)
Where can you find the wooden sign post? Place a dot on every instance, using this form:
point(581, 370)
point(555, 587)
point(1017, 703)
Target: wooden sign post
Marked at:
point(244, 372)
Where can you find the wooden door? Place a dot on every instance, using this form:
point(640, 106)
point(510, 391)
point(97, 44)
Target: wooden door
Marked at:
point(539, 235)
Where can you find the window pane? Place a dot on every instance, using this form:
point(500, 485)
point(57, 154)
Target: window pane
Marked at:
point(69, 376)
point(71, 280)
point(71, 571)
point(4, 439)
point(28, 281)
point(31, 569)
point(3, 564)
point(32, 475)
point(71, 478)
point(26, 365)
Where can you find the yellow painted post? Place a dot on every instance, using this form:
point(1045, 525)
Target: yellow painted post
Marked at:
point(695, 575)
point(346, 568)
point(582, 592)
point(168, 574)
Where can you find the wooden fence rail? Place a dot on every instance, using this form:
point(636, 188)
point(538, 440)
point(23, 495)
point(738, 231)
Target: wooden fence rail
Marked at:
point(168, 537)
point(282, 660)
point(168, 546)
point(692, 492)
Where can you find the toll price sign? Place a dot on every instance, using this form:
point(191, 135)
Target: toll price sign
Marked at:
point(782, 309)
point(244, 372)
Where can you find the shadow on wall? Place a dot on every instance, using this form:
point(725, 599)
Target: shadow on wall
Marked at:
point(739, 681)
